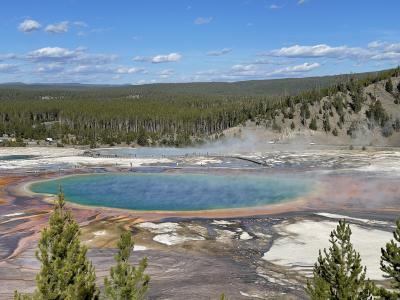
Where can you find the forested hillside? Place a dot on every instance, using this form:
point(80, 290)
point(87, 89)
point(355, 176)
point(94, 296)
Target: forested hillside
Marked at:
point(161, 115)
point(357, 111)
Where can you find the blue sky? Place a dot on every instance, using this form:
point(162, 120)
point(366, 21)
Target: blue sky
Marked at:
point(116, 42)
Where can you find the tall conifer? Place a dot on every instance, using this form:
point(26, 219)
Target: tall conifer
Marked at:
point(65, 272)
point(338, 273)
point(390, 264)
point(126, 282)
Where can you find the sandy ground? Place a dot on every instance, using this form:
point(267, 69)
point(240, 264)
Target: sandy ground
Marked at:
point(300, 242)
point(66, 157)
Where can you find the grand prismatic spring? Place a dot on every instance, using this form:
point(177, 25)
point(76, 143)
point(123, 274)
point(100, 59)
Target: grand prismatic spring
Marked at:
point(176, 192)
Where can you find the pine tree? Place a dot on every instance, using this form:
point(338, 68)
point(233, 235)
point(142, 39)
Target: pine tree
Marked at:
point(142, 139)
point(65, 272)
point(389, 86)
point(126, 282)
point(338, 273)
point(313, 124)
point(325, 123)
point(304, 113)
point(390, 264)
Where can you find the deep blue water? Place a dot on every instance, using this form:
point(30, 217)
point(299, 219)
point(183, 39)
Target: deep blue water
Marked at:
point(176, 192)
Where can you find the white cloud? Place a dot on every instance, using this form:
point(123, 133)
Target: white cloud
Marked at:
point(384, 46)
point(263, 61)
point(240, 68)
point(166, 73)
point(73, 56)
point(55, 64)
point(141, 81)
point(29, 25)
point(81, 24)
point(269, 61)
point(67, 64)
point(50, 68)
point(305, 67)
point(85, 58)
point(127, 70)
point(392, 47)
point(203, 20)
point(8, 68)
point(375, 44)
point(300, 2)
point(219, 52)
point(53, 53)
point(140, 58)
point(322, 50)
point(250, 71)
point(243, 70)
point(8, 56)
point(208, 72)
point(375, 50)
point(274, 6)
point(101, 69)
point(86, 69)
point(61, 27)
point(387, 56)
point(162, 58)
point(144, 81)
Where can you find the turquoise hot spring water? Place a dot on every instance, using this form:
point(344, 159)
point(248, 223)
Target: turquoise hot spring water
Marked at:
point(177, 192)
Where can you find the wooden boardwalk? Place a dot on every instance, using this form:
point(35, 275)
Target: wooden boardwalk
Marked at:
point(245, 158)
